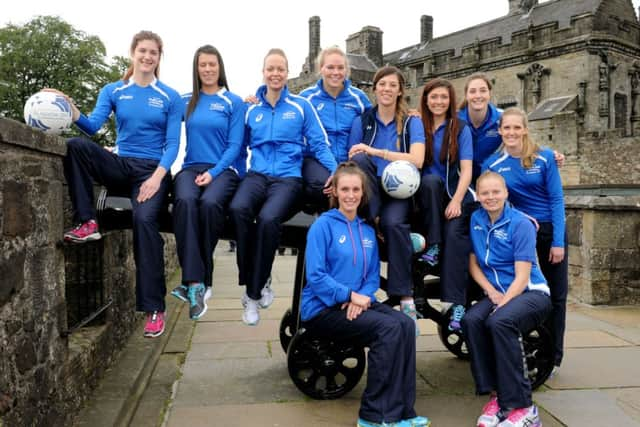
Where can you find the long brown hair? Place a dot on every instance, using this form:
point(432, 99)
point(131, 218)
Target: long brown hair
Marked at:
point(450, 142)
point(349, 168)
point(472, 77)
point(401, 104)
point(137, 38)
point(530, 148)
point(222, 76)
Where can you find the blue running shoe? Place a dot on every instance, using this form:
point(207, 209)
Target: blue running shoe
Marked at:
point(432, 255)
point(419, 421)
point(197, 301)
point(457, 313)
point(181, 292)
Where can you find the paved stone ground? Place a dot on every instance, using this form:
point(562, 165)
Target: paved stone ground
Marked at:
point(219, 372)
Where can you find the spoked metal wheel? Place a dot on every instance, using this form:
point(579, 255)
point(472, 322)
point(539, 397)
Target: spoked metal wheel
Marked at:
point(538, 350)
point(286, 329)
point(324, 369)
point(452, 340)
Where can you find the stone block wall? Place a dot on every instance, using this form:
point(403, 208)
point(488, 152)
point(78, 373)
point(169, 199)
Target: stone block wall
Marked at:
point(604, 248)
point(45, 375)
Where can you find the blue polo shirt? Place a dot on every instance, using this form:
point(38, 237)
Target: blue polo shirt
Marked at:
point(465, 150)
point(386, 137)
point(499, 245)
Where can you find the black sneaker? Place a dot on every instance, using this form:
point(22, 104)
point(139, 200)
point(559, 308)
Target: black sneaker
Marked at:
point(181, 292)
point(197, 301)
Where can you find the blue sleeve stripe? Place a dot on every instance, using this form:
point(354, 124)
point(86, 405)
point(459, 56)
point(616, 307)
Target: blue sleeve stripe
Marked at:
point(315, 113)
point(160, 91)
point(358, 100)
point(499, 160)
point(251, 107)
point(294, 104)
point(124, 86)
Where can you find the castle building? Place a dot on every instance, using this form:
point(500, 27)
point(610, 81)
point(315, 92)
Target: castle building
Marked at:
point(574, 66)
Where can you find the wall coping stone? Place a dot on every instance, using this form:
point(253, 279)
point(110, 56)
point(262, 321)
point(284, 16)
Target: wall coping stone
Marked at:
point(605, 203)
point(16, 133)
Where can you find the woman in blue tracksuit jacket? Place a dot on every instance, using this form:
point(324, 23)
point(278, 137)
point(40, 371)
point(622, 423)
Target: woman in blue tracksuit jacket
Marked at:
point(147, 114)
point(445, 197)
point(382, 135)
point(503, 263)
point(483, 119)
point(338, 103)
point(276, 130)
point(338, 302)
point(535, 188)
point(214, 123)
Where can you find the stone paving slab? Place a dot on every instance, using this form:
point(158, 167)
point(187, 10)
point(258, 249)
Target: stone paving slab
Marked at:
point(231, 350)
point(584, 407)
point(208, 332)
point(628, 400)
point(236, 381)
point(585, 368)
point(582, 339)
point(444, 373)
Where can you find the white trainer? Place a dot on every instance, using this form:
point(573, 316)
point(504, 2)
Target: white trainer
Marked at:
point(266, 295)
point(251, 315)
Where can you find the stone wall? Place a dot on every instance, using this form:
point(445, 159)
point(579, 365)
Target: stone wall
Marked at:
point(604, 248)
point(45, 375)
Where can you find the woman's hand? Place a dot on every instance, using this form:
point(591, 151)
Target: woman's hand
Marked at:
point(453, 209)
point(150, 187)
point(360, 148)
point(328, 189)
point(556, 255)
point(559, 157)
point(75, 113)
point(353, 310)
point(251, 99)
point(203, 179)
point(495, 296)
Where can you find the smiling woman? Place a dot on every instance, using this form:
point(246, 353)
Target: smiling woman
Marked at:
point(278, 129)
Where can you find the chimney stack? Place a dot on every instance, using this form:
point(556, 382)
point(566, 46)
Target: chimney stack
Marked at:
point(426, 28)
point(314, 41)
point(521, 6)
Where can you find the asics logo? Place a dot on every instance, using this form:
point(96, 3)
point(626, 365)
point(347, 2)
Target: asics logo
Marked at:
point(258, 117)
point(342, 239)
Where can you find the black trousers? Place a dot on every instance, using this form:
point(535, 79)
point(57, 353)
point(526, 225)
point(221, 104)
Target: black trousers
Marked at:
point(391, 372)
point(87, 162)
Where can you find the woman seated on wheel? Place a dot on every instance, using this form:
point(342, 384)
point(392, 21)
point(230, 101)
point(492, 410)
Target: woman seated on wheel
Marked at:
point(517, 300)
point(338, 302)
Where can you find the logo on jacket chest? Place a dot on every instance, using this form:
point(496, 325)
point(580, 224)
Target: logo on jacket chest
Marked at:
point(259, 118)
point(342, 239)
point(367, 243)
point(156, 102)
point(289, 115)
point(216, 106)
point(320, 106)
point(500, 234)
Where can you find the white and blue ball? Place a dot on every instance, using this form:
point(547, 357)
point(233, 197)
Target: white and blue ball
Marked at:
point(401, 179)
point(48, 112)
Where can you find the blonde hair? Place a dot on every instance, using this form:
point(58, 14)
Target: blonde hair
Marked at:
point(330, 51)
point(137, 38)
point(276, 51)
point(472, 77)
point(490, 174)
point(530, 149)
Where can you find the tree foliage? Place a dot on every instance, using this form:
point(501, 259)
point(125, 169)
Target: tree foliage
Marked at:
point(48, 52)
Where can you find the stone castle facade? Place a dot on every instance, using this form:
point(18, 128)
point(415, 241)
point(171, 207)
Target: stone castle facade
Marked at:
point(574, 66)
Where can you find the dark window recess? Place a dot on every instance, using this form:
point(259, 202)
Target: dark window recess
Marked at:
point(620, 105)
point(84, 285)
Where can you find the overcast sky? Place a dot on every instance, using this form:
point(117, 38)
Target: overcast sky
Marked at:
point(244, 31)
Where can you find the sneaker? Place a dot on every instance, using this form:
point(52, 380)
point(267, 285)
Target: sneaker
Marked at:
point(491, 414)
point(154, 326)
point(84, 232)
point(432, 255)
point(266, 295)
point(419, 421)
point(554, 372)
point(418, 242)
point(197, 301)
point(251, 315)
point(410, 310)
point(522, 417)
point(365, 423)
point(181, 292)
point(457, 313)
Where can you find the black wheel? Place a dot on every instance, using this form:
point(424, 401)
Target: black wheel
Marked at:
point(538, 350)
point(324, 369)
point(286, 329)
point(452, 340)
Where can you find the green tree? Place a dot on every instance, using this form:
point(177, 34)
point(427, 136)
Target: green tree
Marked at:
point(48, 52)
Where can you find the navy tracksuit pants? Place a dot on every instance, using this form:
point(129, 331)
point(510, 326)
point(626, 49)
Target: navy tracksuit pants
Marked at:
point(452, 236)
point(557, 276)
point(198, 219)
point(391, 372)
point(495, 345)
point(395, 216)
point(258, 209)
point(314, 177)
point(87, 162)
